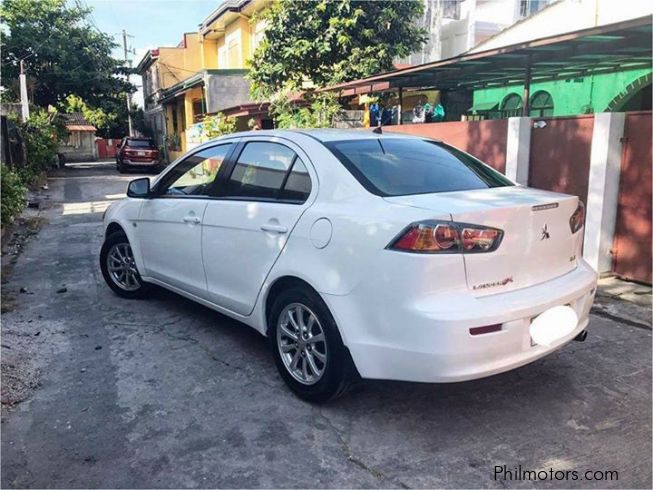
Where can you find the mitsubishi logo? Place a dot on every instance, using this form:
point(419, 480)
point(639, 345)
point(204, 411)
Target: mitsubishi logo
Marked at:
point(545, 233)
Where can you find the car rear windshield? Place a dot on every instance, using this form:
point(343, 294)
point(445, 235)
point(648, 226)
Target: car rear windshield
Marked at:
point(140, 143)
point(399, 167)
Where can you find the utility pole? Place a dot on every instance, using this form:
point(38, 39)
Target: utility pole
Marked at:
point(129, 95)
point(24, 103)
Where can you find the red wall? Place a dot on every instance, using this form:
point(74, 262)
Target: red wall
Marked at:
point(486, 140)
point(632, 242)
point(560, 154)
point(106, 148)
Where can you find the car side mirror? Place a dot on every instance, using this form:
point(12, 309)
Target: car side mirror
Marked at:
point(139, 188)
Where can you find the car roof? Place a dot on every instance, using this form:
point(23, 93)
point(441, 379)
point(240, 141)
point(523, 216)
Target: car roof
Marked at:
point(328, 134)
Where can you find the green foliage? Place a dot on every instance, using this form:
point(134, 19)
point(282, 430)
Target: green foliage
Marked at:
point(173, 143)
point(63, 54)
point(316, 111)
point(13, 194)
point(218, 125)
point(138, 121)
point(331, 41)
point(97, 117)
point(42, 132)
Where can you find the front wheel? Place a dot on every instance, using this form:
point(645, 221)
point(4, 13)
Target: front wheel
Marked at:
point(307, 347)
point(119, 268)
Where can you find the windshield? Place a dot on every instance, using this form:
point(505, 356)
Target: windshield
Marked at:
point(140, 143)
point(398, 166)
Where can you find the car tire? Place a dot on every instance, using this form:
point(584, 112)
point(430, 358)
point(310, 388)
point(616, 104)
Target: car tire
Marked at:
point(131, 286)
point(337, 369)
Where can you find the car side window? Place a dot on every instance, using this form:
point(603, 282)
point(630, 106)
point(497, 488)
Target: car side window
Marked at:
point(260, 170)
point(298, 184)
point(194, 175)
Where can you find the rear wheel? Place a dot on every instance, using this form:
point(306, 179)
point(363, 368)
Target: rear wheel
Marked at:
point(307, 347)
point(119, 268)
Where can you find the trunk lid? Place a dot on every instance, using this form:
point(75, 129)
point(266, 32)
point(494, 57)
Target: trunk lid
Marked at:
point(537, 242)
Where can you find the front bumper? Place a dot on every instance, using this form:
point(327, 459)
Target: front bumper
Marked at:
point(428, 339)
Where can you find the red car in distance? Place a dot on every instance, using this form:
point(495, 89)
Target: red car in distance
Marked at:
point(137, 152)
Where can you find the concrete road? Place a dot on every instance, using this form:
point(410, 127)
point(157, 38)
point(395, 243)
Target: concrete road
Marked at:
point(166, 393)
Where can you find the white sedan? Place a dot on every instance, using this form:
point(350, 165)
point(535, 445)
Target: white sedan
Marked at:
point(359, 254)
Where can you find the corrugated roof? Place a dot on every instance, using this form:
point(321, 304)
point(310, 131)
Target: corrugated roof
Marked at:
point(75, 121)
point(604, 49)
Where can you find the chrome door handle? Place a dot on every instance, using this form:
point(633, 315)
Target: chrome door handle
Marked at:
point(192, 219)
point(274, 228)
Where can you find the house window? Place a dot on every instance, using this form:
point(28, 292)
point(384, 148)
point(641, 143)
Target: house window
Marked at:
point(258, 33)
point(74, 139)
point(511, 106)
point(529, 7)
point(541, 104)
point(175, 123)
point(233, 54)
point(198, 110)
point(232, 43)
point(222, 57)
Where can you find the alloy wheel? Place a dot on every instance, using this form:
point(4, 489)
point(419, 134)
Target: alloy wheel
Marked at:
point(122, 268)
point(301, 343)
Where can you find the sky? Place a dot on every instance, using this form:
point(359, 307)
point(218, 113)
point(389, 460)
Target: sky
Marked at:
point(149, 23)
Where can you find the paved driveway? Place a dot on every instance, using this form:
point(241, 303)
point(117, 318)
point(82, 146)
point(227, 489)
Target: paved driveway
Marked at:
point(166, 393)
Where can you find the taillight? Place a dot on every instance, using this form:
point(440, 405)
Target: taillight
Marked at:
point(447, 237)
point(577, 219)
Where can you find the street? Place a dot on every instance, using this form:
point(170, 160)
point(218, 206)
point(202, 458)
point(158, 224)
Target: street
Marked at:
point(166, 393)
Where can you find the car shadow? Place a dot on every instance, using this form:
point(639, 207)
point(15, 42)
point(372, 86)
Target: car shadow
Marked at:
point(547, 378)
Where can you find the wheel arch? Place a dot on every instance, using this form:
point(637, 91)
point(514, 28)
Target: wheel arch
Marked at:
point(112, 228)
point(279, 285)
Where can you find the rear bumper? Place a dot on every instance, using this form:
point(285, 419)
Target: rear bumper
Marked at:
point(428, 339)
point(138, 163)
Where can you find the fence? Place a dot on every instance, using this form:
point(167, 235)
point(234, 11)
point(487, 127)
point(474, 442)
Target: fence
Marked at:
point(106, 148)
point(486, 140)
point(632, 240)
point(560, 154)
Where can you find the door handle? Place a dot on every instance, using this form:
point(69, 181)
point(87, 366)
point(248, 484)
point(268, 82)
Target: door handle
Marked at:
point(274, 228)
point(192, 219)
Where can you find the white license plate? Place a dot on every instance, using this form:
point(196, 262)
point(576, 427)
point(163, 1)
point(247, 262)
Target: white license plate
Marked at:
point(552, 325)
point(141, 153)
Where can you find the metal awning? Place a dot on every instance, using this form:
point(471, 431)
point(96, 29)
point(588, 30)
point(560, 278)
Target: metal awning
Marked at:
point(181, 87)
point(484, 107)
point(604, 49)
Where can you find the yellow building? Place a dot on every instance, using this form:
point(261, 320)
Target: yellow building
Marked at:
point(161, 69)
point(203, 74)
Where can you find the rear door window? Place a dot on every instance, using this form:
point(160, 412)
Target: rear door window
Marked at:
point(398, 166)
point(260, 171)
point(298, 184)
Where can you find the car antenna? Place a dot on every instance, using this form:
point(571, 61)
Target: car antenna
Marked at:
point(377, 130)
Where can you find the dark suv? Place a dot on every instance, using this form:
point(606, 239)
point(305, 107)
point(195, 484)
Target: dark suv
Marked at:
point(137, 152)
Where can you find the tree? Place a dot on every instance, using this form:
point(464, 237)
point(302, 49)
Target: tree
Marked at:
point(315, 110)
point(331, 41)
point(63, 55)
point(97, 117)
